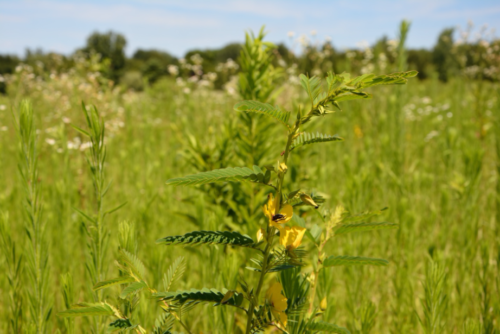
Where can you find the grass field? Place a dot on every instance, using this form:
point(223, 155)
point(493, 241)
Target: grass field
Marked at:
point(428, 151)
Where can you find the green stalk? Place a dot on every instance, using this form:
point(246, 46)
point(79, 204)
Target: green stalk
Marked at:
point(38, 252)
point(270, 232)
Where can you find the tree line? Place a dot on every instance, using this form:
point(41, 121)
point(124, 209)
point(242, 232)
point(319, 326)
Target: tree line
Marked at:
point(446, 59)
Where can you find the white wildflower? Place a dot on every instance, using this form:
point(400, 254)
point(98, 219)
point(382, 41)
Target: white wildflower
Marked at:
point(431, 135)
point(173, 70)
point(85, 145)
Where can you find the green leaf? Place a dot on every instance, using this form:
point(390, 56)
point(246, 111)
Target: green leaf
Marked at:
point(312, 86)
point(116, 208)
point(135, 265)
point(175, 272)
point(81, 131)
point(358, 227)
point(85, 215)
point(209, 237)
point(264, 108)
point(194, 296)
point(326, 327)
point(351, 96)
point(133, 288)
point(113, 281)
point(88, 309)
point(316, 232)
point(280, 267)
point(407, 74)
point(345, 260)
point(399, 78)
point(120, 324)
point(307, 138)
point(218, 175)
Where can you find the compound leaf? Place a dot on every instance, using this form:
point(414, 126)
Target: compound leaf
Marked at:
point(88, 309)
point(219, 175)
point(264, 108)
point(135, 265)
point(194, 296)
point(326, 327)
point(312, 86)
point(133, 288)
point(209, 237)
point(307, 138)
point(113, 281)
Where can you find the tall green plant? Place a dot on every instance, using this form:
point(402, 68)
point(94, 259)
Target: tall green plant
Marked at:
point(14, 270)
point(277, 245)
point(95, 226)
point(37, 252)
point(435, 299)
point(245, 141)
point(279, 256)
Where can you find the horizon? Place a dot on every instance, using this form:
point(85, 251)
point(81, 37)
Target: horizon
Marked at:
point(176, 28)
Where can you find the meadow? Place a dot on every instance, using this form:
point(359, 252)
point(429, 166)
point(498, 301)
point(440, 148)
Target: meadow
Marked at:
point(428, 151)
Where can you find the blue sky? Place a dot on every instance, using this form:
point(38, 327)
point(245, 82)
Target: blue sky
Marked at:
point(178, 26)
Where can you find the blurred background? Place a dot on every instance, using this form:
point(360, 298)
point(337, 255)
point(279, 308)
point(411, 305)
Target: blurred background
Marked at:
point(153, 39)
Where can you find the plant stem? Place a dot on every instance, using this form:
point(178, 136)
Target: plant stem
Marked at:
point(316, 272)
point(271, 231)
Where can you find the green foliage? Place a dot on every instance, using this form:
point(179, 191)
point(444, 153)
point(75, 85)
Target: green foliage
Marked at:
point(112, 282)
point(110, 46)
point(452, 167)
point(359, 227)
point(340, 87)
point(174, 273)
point(435, 299)
point(193, 297)
point(14, 270)
point(90, 309)
point(209, 237)
point(442, 54)
point(37, 254)
point(326, 327)
point(344, 260)
point(221, 175)
point(258, 75)
point(133, 288)
point(265, 109)
point(307, 138)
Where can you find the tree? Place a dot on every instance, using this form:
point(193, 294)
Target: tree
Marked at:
point(442, 54)
point(110, 46)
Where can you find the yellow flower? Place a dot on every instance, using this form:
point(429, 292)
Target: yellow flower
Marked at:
point(291, 237)
point(278, 304)
point(277, 219)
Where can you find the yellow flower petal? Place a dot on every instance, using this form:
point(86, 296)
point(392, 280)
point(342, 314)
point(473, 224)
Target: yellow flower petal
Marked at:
point(291, 237)
point(286, 211)
point(281, 317)
point(275, 298)
point(269, 207)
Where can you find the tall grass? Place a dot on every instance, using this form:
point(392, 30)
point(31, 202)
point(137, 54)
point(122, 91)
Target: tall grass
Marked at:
point(443, 192)
point(39, 302)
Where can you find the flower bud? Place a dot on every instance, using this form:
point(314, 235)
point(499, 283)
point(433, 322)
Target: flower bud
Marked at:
point(260, 235)
point(306, 199)
point(323, 305)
